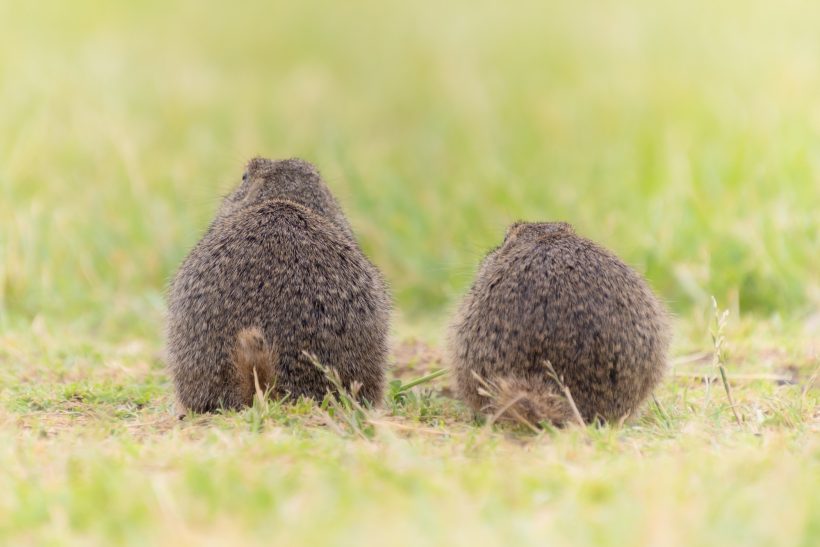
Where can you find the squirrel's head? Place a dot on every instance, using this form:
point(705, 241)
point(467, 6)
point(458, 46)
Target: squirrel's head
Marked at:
point(520, 233)
point(291, 180)
point(533, 231)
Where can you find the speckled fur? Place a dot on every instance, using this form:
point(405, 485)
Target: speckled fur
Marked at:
point(547, 294)
point(277, 273)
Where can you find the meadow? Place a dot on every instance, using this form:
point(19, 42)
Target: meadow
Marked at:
point(684, 136)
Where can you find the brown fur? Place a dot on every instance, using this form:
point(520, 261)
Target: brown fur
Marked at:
point(278, 273)
point(548, 295)
point(522, 400)
point(254, 362)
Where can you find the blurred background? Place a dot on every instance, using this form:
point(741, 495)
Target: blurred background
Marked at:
point(684, 136)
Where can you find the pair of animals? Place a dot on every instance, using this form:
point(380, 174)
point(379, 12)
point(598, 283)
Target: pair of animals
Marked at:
point(279, 277)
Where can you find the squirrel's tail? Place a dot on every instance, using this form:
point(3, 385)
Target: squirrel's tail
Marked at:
point(252, 354)
point(532, 403)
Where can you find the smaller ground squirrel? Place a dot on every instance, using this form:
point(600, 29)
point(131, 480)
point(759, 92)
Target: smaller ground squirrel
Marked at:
point(547, 295)
point(277, 274)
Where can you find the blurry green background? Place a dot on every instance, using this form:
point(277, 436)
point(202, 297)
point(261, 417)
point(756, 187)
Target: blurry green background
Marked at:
point(682, 135)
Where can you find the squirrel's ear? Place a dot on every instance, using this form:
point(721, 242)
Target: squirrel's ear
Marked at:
point(257, 163)
point(512, 230)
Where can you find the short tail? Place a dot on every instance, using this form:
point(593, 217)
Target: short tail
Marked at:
point(252, 354)
point(530, 403)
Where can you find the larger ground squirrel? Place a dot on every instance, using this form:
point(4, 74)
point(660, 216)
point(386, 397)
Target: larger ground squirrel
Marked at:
point(277, 274)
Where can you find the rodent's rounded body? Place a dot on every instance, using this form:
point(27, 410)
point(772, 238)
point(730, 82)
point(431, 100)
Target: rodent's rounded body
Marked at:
point(548, 295)
point(299, 283)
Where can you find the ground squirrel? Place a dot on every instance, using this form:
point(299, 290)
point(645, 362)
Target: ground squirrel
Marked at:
point(547, 295)
point(277, 274)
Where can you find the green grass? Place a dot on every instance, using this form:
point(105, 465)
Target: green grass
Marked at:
point(684, 136)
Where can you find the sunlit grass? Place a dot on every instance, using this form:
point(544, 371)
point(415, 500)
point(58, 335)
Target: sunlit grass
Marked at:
point(92, 449)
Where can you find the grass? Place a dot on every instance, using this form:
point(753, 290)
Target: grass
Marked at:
point(684, 137)
point(92, 451)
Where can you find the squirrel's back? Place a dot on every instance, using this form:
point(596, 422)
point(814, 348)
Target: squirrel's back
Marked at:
point(550, 296)
point(300, 284)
